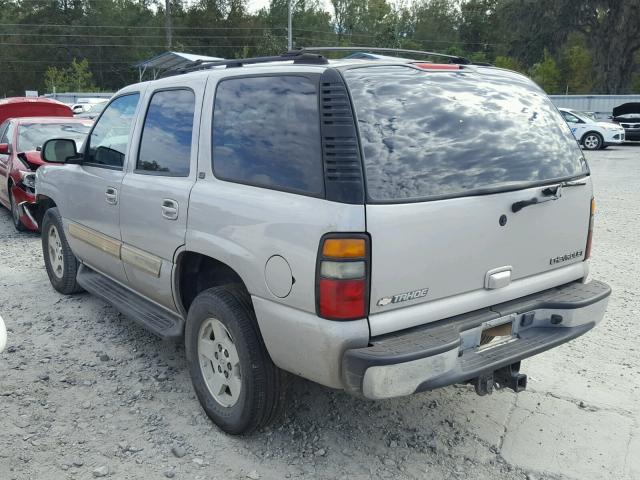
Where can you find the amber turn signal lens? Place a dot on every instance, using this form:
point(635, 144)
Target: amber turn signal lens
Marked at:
point(344, 248)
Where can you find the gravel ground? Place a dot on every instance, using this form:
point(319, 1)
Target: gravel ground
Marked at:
point(85, 393)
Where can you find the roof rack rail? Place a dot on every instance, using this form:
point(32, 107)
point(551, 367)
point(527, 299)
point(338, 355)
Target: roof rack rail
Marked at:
point(297, 56)
point(304, 55)
point(452, 58)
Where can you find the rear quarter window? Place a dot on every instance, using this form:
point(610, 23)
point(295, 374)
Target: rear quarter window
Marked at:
point(266, 132)
point(428, 135)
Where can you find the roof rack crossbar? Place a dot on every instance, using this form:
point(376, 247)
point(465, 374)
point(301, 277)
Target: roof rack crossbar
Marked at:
point(453, 58)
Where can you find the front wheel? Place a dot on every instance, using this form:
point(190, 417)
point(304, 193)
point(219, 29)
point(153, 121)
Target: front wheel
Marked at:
point(235, 380)
point(59, 261)
point(592, 141)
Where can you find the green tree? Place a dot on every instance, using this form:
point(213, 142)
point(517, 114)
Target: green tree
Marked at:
point(576, 62)
point(611, 27)
point(547, 74)
point(509, 63)
point(75, 78)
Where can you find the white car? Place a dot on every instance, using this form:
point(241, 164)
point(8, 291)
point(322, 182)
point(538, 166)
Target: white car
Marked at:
point(590, 133)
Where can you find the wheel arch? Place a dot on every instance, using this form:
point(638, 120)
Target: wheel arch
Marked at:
point(195, 272)
point(43, 203)
point(589, 132)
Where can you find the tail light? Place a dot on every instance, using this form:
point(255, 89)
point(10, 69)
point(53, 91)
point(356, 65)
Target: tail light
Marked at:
point(342, 277)
point(587, 254)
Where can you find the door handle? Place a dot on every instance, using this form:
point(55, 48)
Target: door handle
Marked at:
point(170, 209)
point(111, 196)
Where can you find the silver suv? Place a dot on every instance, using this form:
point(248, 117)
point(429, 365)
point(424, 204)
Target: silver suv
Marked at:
point(380, 226)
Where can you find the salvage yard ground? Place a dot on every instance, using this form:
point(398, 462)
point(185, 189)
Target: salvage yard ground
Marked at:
point(85, 393)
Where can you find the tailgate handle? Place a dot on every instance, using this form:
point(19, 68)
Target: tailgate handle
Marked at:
point(498, 277)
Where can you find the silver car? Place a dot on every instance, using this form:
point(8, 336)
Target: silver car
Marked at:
point(383, 227)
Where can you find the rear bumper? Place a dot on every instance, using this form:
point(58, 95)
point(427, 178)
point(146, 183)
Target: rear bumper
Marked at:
point(448, 351)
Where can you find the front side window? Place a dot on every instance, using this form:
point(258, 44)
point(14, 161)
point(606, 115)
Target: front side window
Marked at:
point(428, 135)
point(570, 118)
point(165, 147)
point(108, 142)
point(266, 132)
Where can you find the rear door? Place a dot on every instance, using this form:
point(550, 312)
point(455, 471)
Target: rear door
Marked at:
point(578, 127)
point(155, 192)
point(447, 156)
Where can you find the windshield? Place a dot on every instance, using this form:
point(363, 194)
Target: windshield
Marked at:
point(428, 135)
point(33, 135)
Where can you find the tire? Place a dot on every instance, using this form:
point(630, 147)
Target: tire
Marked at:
point(15, 215)
point(592, 141)
point(220, 320)
point(59, 261)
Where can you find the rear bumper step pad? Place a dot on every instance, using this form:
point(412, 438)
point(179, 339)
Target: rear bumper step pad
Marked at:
point(442, 353)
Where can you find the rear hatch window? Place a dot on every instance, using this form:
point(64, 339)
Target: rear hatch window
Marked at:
point(431, 135)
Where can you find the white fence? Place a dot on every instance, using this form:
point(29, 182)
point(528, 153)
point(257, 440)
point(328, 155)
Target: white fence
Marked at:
point(602, 105)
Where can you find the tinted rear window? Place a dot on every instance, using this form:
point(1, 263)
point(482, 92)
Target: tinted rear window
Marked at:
point(432, 134)
point(266, 132)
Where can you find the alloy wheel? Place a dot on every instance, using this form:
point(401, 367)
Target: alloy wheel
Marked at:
point(56, 258)
point(219, 362)
point(592, 142)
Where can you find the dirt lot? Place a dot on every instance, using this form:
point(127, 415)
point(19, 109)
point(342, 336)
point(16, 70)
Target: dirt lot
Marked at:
point(85, 393)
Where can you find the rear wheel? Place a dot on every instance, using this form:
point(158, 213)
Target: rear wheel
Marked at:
point(15, 213)
point(235, 380)
point(592, 141)
point(59, 261)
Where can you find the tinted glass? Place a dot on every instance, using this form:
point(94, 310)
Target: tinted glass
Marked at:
point(165, 146)
point(33, 135)
point(266, 132)
point(570, 118)
point(110, 137)
point(436, 134)
point(8, 133)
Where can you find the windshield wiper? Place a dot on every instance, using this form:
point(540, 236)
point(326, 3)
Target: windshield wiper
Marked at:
point(550, 193)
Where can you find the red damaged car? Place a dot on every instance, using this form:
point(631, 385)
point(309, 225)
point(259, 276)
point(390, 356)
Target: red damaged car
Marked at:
point(20, 143)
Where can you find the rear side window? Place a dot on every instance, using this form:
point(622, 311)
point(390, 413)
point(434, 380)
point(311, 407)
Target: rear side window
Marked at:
point(165, 147)
point(428, 135)
point(266, 132)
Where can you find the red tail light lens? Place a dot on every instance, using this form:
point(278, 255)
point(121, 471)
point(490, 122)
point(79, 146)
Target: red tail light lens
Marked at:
point(342, 299)
point(343, 277)
point(587, 253)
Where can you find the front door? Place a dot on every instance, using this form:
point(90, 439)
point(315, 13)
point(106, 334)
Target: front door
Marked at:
point(155, 192)
point(92, 189)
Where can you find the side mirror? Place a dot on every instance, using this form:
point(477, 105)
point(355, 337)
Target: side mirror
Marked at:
point(5, 149)
point(59, 150)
